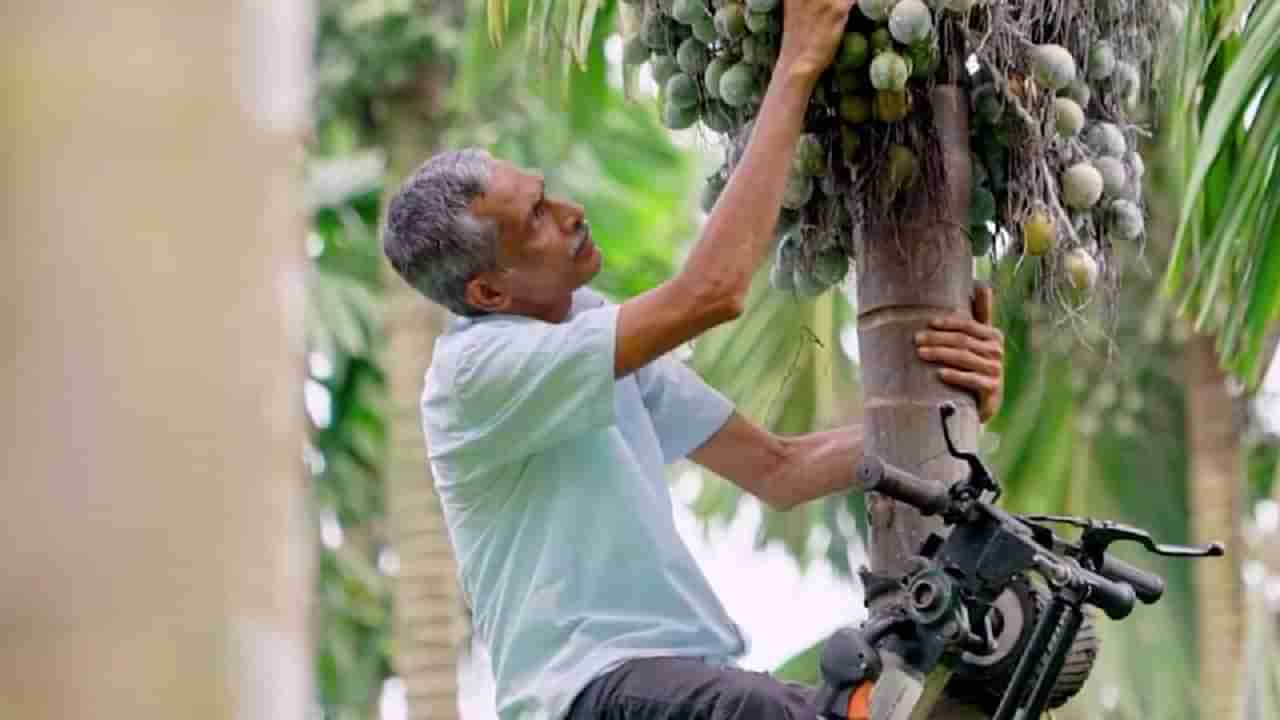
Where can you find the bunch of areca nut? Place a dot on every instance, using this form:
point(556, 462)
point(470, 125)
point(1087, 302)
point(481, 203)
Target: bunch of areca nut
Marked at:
point(1057, 90)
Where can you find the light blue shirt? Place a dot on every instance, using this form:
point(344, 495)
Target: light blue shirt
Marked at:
point(551, 476)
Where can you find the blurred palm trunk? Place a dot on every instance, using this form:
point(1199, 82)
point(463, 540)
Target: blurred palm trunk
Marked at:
point(1214, 497)
point(429, 622)
point(154, 556)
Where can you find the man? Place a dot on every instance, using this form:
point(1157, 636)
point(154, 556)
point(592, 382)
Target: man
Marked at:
point(549, 415)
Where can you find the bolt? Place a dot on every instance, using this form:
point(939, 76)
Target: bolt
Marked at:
point(925, 595)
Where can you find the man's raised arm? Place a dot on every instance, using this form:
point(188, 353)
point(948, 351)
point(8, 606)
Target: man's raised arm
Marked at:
point(712, 286)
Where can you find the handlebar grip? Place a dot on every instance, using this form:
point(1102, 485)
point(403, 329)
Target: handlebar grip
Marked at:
point(1115, 598)
point(876, 475)
point(1148, 586)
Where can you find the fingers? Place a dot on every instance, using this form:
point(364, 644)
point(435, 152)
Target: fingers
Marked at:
point(988, 405)
point(970, 371)
point(964, 379)
point(980, 339)
point(961, 360)
point(812, 31)
point(987, 388)
point(983, 304)
point(962, 324)
point(971, 351)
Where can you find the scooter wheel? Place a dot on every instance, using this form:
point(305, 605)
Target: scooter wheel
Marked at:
point(982, 680)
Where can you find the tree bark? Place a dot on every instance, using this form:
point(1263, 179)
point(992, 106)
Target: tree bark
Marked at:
point(155, 556)
point(428, 605)
point(429, 618)
point(1216, 505)
point(906, 274)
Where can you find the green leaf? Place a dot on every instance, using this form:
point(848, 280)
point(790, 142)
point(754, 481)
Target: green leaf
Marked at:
point(1243, 191)
point(587, 23)
point(1238, 87)
point(1263, 304)
point(803, 667)
point(1222, 159)
point(497, 13)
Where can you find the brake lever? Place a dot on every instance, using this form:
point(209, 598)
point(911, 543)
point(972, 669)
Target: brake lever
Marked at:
point(1099, 534)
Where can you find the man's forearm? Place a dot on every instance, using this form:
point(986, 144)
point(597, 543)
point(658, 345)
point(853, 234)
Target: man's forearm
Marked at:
point(740, 229)
point(818, 465)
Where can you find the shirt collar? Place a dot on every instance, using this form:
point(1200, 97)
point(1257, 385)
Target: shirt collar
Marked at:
point(584, 298)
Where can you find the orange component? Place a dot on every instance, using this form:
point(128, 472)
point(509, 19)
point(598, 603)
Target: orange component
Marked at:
point(860, 702)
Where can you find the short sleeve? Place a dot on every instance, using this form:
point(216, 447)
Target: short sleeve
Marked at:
point(522, 387)
point(685, 410)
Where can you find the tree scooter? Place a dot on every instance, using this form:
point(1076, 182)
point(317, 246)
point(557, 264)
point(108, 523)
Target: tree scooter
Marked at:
point(999, 600)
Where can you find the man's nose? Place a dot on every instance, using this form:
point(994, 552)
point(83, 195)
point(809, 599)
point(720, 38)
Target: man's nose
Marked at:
point(572, 216)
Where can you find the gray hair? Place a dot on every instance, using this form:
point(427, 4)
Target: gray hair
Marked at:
point(430, 236)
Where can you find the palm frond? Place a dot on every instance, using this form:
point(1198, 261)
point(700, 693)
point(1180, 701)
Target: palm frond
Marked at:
point(562, 32)
point(783, 366)
point(1224, 125)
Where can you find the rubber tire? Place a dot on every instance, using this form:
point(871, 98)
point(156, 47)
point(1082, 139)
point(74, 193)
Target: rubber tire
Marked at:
point(982, 686)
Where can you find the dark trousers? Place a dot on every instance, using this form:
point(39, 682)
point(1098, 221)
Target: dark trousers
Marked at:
point(690, 689)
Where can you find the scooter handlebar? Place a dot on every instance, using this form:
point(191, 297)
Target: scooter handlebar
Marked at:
point(1148, 586)
point(1115, 598)
point(876, 475)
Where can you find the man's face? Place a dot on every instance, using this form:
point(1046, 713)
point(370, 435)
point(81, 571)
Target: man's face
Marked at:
point(545, 250)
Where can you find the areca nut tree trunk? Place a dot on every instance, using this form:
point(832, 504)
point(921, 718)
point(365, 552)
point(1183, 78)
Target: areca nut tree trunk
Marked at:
point(1215, 497)
point(429, 622)
point(428, 606)
point(155, 559)
point(907, 274)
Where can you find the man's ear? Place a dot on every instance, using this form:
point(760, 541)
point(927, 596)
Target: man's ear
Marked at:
point(487, 292)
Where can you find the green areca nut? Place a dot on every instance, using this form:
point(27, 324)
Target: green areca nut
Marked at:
point(738, 85)
point(889, 71)
point(731, 22)
point(854, 51)
point(682, 91)
point(881, 41)
point(693, 57)
point(830, 266)
point(855, 109)
point(679, 118)
point(924, 59)
point(759, 22)
point(1053, 66)
point(910, 22)
point(810, 156)
point(704, 28)
point(688, 11)
point(663, 67)
point(635, 51)
point(798, 191)
point(718, 117)
point(714, 72)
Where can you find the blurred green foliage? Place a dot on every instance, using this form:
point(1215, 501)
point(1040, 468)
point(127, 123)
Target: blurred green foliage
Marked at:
point(345, 455)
